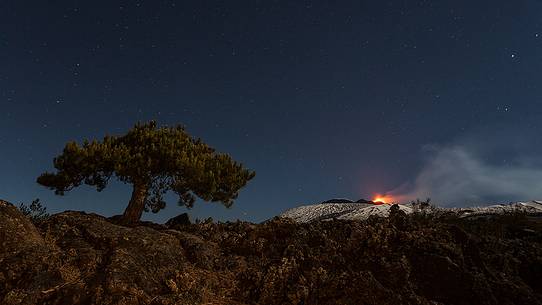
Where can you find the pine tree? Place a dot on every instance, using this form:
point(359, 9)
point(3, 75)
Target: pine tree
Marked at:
point(155, 161)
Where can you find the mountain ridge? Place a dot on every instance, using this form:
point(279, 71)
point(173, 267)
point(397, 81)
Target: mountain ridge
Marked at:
point(330, 209)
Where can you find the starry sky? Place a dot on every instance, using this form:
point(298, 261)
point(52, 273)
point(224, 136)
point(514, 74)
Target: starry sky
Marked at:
point(322, 99)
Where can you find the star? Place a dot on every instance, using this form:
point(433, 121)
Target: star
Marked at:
point(504, 108)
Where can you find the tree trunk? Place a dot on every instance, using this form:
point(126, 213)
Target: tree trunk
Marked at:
point(133, 211)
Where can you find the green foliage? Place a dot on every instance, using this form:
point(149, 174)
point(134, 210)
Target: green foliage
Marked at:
point(35, 211)
point(157, 160)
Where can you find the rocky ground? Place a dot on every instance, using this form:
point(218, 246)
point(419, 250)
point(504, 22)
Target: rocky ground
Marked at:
point(78, 258)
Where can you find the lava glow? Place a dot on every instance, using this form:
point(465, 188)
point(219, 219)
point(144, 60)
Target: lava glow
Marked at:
point(380, 199)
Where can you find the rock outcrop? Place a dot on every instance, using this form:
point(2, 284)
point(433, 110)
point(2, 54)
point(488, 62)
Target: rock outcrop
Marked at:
point(78, 258)
point(84, 259)
point(179, 220)
point(27, 259)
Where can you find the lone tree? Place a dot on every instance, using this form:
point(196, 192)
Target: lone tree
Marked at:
point(155, 161)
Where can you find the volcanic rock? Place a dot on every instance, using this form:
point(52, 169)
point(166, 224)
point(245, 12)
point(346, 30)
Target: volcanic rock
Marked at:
point(179, 220)
point(78, 258)
point(17, 233)
point(27, 260)
point(96, 262)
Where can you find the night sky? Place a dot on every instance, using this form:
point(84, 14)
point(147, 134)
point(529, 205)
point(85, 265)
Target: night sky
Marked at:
point(322, 99)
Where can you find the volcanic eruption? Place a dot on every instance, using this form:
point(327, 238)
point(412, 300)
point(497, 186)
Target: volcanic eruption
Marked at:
point(383, 199)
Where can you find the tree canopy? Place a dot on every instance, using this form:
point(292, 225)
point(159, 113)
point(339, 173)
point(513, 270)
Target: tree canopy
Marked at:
point(154, 160)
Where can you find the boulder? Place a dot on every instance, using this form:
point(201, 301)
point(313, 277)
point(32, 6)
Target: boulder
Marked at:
point(17, 233)
point(85, 259)
point(179, 220)
point(114, 264)
point(27, 260)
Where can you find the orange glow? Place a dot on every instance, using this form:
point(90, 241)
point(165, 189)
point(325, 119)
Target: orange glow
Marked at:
point(380, 199)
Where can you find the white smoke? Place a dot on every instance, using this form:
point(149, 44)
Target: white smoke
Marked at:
point(474, 174)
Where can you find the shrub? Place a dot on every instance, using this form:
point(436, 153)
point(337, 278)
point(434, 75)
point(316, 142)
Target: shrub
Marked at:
point(35, 211)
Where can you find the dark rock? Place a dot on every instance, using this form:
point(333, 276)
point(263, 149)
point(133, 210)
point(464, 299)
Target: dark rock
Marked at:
point(118, 220)
point(116, 263)
point(198, 251)
point(17, 233)
point(179, 220)
point(79, 258)
point(97, 262)
point(27, 260)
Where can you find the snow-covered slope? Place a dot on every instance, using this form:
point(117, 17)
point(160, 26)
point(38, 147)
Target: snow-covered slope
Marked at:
point(350, 211)
point(323, 211)
point(530, 207)
point(326, 211)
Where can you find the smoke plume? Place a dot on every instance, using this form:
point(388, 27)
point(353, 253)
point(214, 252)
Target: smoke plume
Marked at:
point(478, 170)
